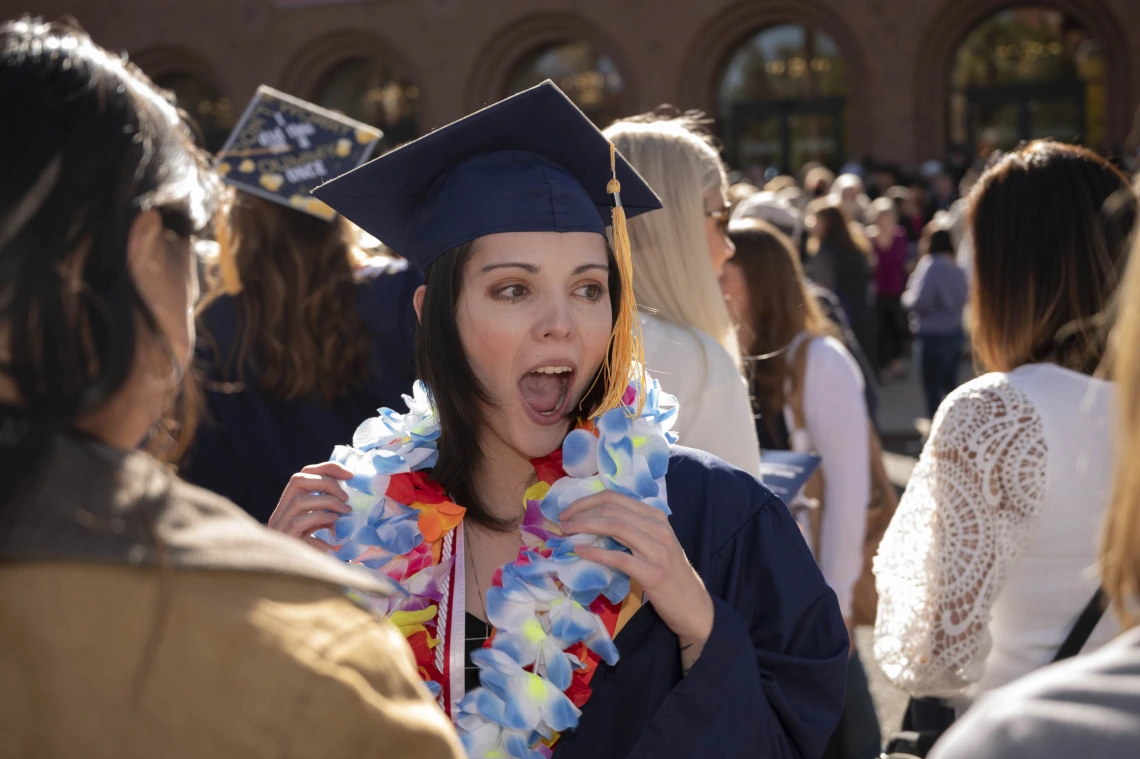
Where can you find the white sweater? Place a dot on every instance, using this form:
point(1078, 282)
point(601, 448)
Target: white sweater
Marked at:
point(835, 419)
point(992, 554)
point(715, 410)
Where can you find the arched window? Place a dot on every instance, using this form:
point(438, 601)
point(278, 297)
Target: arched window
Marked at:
point(367, 90)
point(211, 112)
point(1026, 73)
point(783, 100)
point(590, 78)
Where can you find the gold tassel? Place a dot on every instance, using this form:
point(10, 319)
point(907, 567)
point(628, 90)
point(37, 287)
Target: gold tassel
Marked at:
point(626, 353)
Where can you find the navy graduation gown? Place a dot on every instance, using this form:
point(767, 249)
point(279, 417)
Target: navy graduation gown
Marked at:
point(249, 443)
point(770, 681)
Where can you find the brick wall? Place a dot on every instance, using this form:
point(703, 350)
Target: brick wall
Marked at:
point(457, 51)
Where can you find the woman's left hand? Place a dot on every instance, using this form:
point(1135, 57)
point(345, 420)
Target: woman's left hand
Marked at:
point(657, 562)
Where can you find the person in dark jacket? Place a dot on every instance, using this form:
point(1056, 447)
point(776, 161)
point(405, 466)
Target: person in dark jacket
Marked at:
point(842, 263)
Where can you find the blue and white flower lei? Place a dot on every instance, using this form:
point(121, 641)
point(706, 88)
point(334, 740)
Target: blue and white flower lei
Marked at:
point(542, 607)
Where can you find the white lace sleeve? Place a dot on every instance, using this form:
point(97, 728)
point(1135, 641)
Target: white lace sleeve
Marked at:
point(963, 521)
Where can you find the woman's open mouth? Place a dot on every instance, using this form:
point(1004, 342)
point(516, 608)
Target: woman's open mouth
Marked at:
point(546, 392)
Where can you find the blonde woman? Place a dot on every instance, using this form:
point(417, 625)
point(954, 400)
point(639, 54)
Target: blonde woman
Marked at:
point(1087, 706)
point(690, 344)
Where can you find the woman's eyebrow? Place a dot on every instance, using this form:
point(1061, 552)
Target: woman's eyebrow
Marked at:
point(528, 268)
point(532, 269)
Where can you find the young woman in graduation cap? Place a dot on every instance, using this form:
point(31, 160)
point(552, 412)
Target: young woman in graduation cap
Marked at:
point(574, 583)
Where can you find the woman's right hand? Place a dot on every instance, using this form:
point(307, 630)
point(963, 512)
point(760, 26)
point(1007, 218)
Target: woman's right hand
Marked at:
point(313, 499)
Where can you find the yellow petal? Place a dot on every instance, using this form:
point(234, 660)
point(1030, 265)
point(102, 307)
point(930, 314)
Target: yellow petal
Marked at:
point(537, 491)
point(402, 618)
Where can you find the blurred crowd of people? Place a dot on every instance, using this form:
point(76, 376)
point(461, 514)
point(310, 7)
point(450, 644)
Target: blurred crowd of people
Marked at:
point(779, 316)
point(891, 247)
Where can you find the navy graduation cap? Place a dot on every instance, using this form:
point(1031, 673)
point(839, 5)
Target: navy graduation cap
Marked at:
point(530, 163)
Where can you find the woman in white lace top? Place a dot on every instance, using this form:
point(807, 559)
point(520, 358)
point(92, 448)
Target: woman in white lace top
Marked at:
point(991, 556)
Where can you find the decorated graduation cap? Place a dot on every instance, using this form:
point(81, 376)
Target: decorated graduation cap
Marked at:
point(283, 147)
point(530, 163)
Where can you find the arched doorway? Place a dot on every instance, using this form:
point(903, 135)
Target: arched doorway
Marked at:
point(369, 90)
point(783, 100)
point(589, 77)
point(211, 112)
point(1024, 73)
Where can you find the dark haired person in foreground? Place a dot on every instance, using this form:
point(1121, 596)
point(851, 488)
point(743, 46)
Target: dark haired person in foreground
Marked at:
point(143, 617)
point(647, 600)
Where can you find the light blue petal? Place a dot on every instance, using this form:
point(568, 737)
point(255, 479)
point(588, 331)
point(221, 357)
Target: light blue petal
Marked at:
point(580, 454)
point(567, 625)
point(386, 462)
point(489, 706)
point(349, 551)
point(613, 424)
point(429, 462)
point(578, 490)
point(584, 579)
point(558, 669)
point(507, 614)
point(603, 646)
point(520, 712)
point(347, 526)
point(516, 646)
point(517, 746)
point(641, 481)
point(561, 714)
point(482, 741)
point(656, 453)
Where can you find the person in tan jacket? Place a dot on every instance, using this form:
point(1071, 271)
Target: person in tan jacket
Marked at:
point(141, 616)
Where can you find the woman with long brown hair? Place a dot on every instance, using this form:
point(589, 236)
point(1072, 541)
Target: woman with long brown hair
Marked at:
point(290, 353)
point(983, 569)
point(842, 261)
point(1087, 706)
point(808, 394)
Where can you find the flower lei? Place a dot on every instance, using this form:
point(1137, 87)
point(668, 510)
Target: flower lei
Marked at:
point(554, 613)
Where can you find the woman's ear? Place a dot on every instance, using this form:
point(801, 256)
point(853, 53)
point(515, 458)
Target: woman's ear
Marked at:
point(144, 253)
point(418, 302)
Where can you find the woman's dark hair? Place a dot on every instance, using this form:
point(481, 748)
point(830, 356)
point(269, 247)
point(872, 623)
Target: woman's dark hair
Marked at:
point(86, 144)
point(839, 230)
point(299, 327)
point(1051, 226)
point(441, 362)
point(936, 240)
